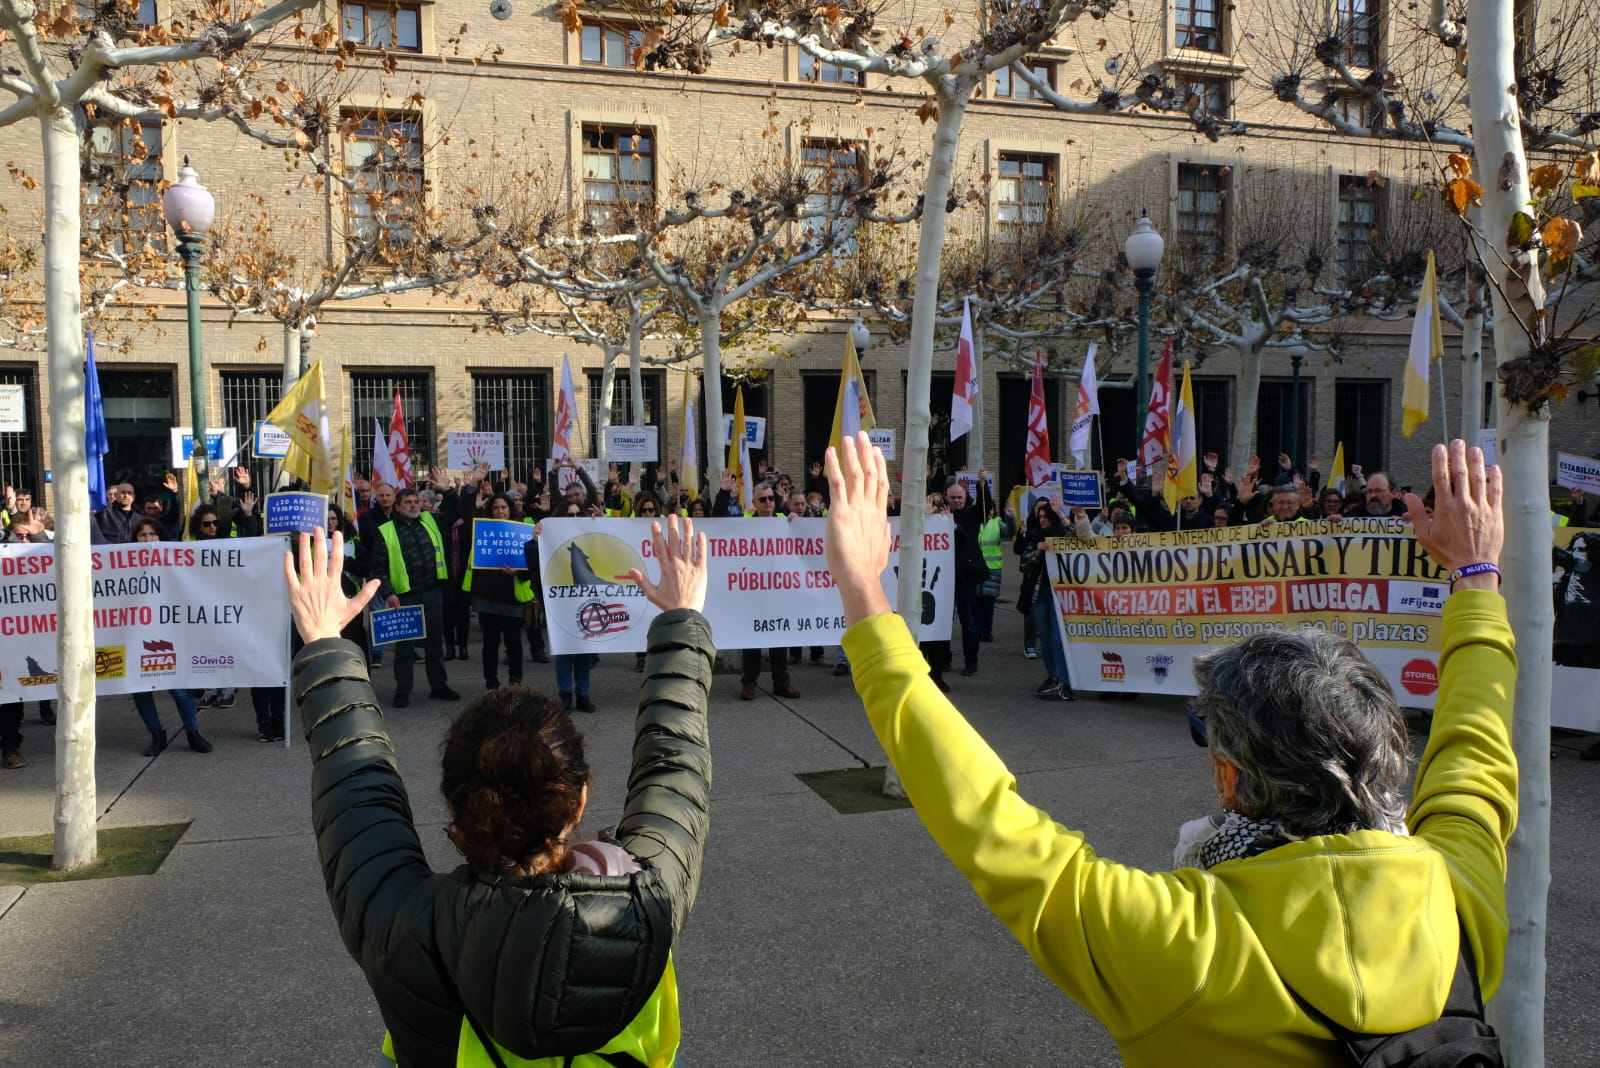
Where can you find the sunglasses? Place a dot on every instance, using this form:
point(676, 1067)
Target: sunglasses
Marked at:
point(1197, 728)
point(768, 497)
point(207, 523)
point(647, 511)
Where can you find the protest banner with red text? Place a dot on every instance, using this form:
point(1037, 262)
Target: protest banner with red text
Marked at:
point(167, 615)
point(1135, 612)
point(769, 585)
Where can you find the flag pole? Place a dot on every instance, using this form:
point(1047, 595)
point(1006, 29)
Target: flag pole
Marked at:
point(1444, 410)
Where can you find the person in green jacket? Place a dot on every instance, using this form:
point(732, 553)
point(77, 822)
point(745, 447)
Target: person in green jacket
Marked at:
point(541, 950)
point(1318, 896)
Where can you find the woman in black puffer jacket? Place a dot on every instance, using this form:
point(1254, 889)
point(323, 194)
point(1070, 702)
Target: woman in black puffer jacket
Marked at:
point(539, 946)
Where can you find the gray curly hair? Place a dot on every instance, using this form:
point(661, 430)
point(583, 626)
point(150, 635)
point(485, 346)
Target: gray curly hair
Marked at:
point(1318, 738)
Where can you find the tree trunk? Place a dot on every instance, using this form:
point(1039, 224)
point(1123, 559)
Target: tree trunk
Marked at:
point(952, 97)
point(291, 355)
point(1244, 414)
point(75, 841)
point(975, 435)
point(608, 390)
point(716, 457)
point(1517, 1011)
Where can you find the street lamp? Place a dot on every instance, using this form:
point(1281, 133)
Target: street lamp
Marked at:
point(190, 208)
point(1143, 249)
point(860, 335)
point(1297, 353)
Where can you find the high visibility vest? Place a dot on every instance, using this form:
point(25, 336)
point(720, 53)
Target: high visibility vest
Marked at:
point(523, 588)
point(399, 581)
point(989, 544)
point(651, 1038)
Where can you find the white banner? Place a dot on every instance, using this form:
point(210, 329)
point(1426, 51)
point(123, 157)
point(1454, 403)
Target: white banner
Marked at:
point(13, 409)
point(269, 442)
point(1577, 472)
point(755, 430)
point(769, 584)
point(631, 443)
point(883, 438)
point(565, 476)
point(466, 449)
point(222, 446)
point(168, 615)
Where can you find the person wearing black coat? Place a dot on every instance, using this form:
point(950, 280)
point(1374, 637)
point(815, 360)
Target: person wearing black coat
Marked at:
point(515, 949)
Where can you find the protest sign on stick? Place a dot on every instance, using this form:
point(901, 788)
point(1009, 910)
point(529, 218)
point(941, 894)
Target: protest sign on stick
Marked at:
point(1577, 472)
point(403, 624)
point(499, 543)
point(625, 444)
point(466, 449)
point(294, 512)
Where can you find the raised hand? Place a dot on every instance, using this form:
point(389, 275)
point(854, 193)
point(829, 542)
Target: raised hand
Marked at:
point(1467, 525)
point(170, 483)
point(241, 475)
point(316, 600)
point(247, 501)
point(682, 555)
point(858, 526)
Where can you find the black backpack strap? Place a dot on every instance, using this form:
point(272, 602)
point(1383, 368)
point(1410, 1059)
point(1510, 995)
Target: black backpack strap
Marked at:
point(486, 1042)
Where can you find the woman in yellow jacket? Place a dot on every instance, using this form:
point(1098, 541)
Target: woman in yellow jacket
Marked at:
point(1317, 896)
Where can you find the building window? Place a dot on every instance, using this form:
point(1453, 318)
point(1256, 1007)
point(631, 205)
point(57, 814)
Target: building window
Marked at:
point(819, 395)
point(1361, 421)
point(619, 176)
point(140, 413)
point(830, 169)
point(1358, 30)
point(1213, 414)
point(19, 450)
point(1025, 191)
point(1202, 209)
point(1358, 225)
point(372, 406)
point(122, 187)
point(623, 410)
point(812, 70)
point(1007, 86)
point(147, 13)
point(1274, 417)
point(247, 398)
point(1209, 96)
point(610, 46)
point(383, 153)
point(383, 25)
point(1198, 24)
point(518, 406)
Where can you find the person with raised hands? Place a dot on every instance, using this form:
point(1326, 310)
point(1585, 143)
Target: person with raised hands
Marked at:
point(1317, 908)
point(543, 946)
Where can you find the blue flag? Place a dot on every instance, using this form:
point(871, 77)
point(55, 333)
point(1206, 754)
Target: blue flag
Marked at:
point(97, 444)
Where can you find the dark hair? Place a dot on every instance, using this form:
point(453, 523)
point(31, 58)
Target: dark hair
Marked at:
point(514, 773)
point(487, 511)
point(406, 491)
point(698, 509)
point(646, 497)
point(344, 521)
point(194, 522)
point(141, 523)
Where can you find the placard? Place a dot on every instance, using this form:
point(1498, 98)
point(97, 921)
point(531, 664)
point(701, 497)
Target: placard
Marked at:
point(562, 477)
point(403, 624)
point(499, 543)
point(883, 438)
point(1577, 472)
point(769, 582)
point(1080, 489)
point(222, 446)
point(295, 512)
point(13, 409)
point(625, 444)
point(466, 449)
point(1489, 442)
point(269, 442)
point(755, 430)
point(167, 615)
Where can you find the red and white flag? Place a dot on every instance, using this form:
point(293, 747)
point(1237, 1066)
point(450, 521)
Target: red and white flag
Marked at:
point(965, 396)
point(1037, 460)
point(382, 466)
point(1088, 407)
point(399, 446)
point(566, 413)
point(1156, 444)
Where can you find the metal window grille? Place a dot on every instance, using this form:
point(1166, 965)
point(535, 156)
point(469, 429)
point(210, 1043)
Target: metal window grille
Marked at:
point(622, 407)
point(1198, 24)
point(517, 406)
point(247, 397)
point(1273, 415)
point(1213, 410)
point(19, 450)
point(372, 398)
point(1360, 420)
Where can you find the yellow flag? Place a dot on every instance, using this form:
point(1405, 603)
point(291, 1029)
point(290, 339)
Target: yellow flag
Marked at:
point(191, 496)
point(303, 415)
point(1336, 476)
point(739, 453)
point(852, 412)
point(1184, 469)
point(1427, 345)
point(688, 447)
point(347, 476)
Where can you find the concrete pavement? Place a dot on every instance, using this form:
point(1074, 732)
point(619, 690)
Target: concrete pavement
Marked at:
point(818, 938)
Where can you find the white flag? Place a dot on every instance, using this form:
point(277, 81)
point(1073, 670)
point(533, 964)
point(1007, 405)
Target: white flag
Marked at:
point(1088, 407)
point(965, 395)
point(382, 462)
point(565, 432)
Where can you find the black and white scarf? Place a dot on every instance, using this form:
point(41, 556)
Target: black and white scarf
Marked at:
point(1210, 840)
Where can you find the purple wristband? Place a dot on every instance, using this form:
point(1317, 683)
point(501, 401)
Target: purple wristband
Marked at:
point(1474, 569)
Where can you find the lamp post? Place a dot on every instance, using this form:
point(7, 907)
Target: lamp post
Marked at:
point(1143, 249)
point(1297, 354)
point(860, 335)
point(190, 209)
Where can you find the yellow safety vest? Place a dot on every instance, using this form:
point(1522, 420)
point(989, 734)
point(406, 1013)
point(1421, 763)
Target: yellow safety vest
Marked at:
point(398, 579)
point(989, 544)
point(651, 1038)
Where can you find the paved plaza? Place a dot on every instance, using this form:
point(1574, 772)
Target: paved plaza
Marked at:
point(818, 938)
